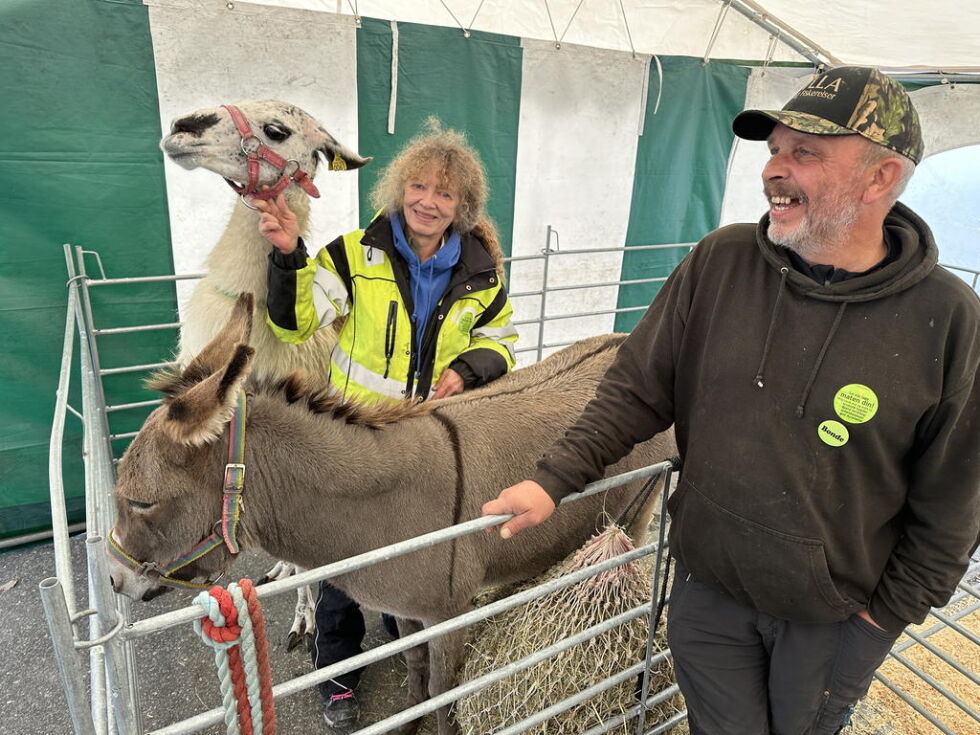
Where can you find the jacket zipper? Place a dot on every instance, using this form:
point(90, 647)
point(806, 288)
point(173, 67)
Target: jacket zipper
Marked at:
point(390, 334)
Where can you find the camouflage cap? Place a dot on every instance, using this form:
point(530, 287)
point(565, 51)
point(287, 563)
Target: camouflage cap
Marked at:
point(844, 101)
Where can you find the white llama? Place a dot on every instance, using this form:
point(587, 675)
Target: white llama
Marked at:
point(259, 148)
point(211, 139)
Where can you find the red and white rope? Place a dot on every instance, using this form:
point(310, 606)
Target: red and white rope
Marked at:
point(234, 626)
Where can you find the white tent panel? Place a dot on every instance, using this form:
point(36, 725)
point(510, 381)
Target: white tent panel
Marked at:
point(767, 89)
point(194, 72)
point(676, 27)
point(950, 116)
point(575, 172)
point(888, 33)
point(939, 34)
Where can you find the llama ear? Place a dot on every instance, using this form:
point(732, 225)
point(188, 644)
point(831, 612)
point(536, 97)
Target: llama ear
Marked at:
point(337, 155)
point(216, 353)
point(198, 415)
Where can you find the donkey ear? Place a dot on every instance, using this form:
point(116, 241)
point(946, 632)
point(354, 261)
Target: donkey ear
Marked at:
point(217, 352)
point(338, 156)
point(198, 415)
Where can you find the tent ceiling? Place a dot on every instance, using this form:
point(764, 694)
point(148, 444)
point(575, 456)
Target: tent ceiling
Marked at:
point(938, 35)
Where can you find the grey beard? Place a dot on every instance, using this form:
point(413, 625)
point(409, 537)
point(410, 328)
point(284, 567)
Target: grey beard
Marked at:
point(820, 236)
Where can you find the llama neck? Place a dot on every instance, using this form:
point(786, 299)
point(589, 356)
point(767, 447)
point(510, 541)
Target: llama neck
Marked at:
point(238, 262)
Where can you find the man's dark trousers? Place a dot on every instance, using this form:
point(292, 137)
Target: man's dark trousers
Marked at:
point(747, 673)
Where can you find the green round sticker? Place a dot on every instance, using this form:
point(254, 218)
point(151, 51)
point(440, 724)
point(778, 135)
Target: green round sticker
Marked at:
point(856, 403)
point(833, 433)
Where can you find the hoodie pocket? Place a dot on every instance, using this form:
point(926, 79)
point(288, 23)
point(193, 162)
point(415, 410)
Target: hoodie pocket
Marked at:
point(777, 573)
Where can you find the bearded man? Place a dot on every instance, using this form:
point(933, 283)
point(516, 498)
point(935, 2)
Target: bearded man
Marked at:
point(820, 370)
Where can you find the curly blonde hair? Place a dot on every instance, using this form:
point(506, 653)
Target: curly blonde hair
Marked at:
point(459, 168)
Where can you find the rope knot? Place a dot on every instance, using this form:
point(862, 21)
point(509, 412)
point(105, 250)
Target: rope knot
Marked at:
point(234, 627)
point(219, 626)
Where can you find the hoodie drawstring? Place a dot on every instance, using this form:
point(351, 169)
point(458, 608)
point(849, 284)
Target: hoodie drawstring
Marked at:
point(816, 367)
point(759, 379)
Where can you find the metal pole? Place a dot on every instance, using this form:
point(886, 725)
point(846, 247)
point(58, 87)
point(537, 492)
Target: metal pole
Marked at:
point(97, 696)
point(117, 682)
point(99, 474)
point(59, 515)
point(28, 538)
point(566, 704)
point(93, 456)
point(77, 275)
point(63, 640)
point(655, 611)
point(99, 477)
point(475, 685)
point(659, 698)
point(544, 292)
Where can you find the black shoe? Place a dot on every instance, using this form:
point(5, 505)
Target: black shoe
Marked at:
point(341, 711)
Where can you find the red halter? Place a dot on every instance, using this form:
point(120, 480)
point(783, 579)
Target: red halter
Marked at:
point(255, 152)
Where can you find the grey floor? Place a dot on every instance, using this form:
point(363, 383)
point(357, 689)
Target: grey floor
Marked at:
point(176, 670)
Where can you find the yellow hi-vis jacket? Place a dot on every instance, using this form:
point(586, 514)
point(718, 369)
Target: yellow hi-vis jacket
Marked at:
point(361, 275)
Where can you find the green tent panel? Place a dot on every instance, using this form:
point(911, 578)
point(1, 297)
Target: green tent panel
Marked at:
point(680, 169)
point(472, 84)
point(79, 165)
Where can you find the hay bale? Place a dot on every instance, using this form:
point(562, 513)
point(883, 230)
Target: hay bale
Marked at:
point(520, 631)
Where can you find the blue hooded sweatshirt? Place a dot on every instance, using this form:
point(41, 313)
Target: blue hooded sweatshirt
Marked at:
point(428, 280)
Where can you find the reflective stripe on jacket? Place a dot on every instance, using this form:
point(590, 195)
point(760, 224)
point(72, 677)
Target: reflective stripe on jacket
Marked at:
point(360, 275)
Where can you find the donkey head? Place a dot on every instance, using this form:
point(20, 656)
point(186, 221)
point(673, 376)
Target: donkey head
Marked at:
point(169, 487)
point(209, 139)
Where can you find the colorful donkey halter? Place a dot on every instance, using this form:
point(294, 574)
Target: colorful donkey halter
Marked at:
point(255, 152)
point(231, 511)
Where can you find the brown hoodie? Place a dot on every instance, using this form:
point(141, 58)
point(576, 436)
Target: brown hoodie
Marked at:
point(830, 434)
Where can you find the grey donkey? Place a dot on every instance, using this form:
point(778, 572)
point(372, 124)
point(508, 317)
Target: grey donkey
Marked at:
point(328, 480)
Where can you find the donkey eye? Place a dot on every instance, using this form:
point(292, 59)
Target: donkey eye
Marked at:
point(276, 132)
point(138, 505)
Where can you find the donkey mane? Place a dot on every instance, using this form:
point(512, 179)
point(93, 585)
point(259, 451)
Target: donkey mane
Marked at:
point(299, 387)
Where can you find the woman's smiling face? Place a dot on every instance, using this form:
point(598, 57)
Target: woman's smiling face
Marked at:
point(428, 205)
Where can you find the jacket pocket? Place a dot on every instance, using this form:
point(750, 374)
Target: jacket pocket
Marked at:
point(777, 573)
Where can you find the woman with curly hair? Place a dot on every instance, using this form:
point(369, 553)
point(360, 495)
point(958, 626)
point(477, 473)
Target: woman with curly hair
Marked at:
point(427, 313)
point(427, 317)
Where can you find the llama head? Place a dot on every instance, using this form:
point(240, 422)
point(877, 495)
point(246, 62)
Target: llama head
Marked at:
point(209, 139)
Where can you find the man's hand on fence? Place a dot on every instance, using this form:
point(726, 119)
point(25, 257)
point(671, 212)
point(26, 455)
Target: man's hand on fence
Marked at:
point(527, 500)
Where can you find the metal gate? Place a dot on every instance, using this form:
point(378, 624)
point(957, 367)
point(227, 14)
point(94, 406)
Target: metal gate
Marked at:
point(113, 704)
point(106, 699)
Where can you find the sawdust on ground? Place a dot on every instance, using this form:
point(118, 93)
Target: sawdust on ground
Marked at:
point(883, 712)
